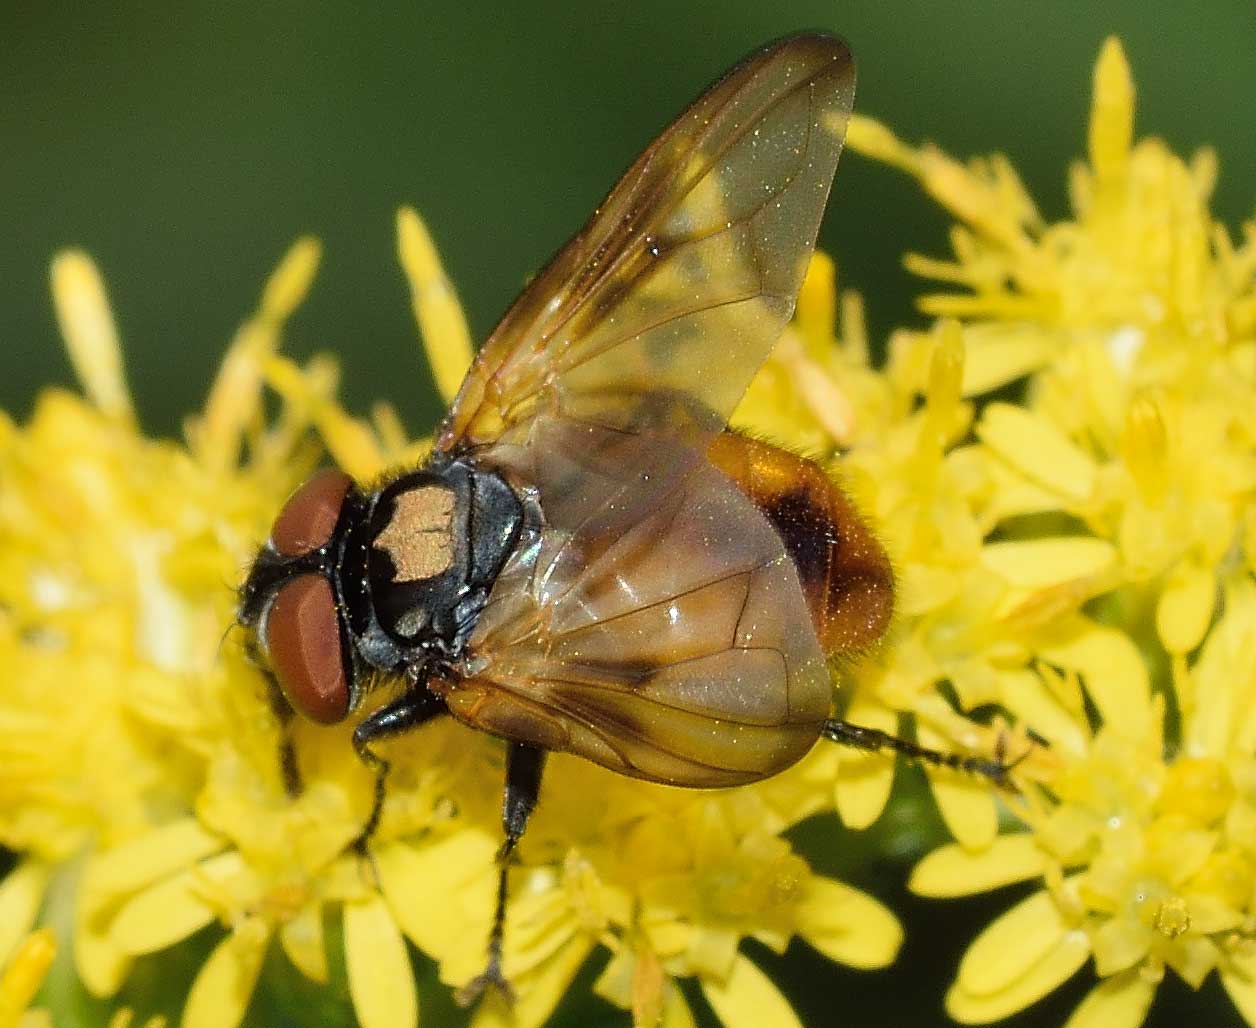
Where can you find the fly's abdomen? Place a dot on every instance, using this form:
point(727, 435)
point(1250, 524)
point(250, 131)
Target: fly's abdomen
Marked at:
point(844, 571)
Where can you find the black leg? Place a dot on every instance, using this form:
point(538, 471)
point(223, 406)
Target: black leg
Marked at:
point(524, 765)
point(289, 772)
point(404, 713)
point(873, 740)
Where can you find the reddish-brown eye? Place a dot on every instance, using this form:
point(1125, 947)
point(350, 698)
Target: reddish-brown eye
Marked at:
point(303, 644)
point(310, 515)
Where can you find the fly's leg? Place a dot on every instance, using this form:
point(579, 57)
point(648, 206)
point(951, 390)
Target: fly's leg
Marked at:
point(403, 714)
point(524, 765)
point(288, 769)
point(874, 740)
point(289, 772)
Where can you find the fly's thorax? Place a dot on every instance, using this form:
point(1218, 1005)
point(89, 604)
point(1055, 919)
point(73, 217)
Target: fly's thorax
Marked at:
point(437, 539)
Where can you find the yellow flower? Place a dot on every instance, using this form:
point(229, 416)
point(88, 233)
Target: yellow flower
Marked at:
point(1137, 318)
point(22, 974)
point(107, 543)
point(1112, 514)
point(137, 735)
point(1147, 864)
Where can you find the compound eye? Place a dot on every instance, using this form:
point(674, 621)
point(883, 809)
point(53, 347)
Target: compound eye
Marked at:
point(303, 645)
point(308, 519)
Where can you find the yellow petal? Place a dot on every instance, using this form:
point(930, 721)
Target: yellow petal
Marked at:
point(1039, 450)
point(1118, 944)
point(90, 334)
point(924, 588)
point(1114, 672)
point(667, 936)
point(441, 894)
point(967, 807)
point(442, 322)
point(235, 395)
point(1210, 914)
point(1011, 945)
point(847, 925)
point(1111, 113)
point(1193, 959)
point(303, 942)
point(965, 801)
point(869, 137)
point(381, 981)
point(160, 917)
point(542, 991)
point(823, 396)
point(946, 373)
point(1185, 606)
point(952, 870)
point(815, 314)
point(290, 282)
point(864, 780)
point(21, 893)
point(1032, 565)
point(1222, 716)
point(101, 965)
point(854, 341)
point(748, 999)
point(1242, 992)
point(635, 980)
point(648, 986)
point(153, 856)
point(1011, 494)
point(171, 910)
point(1052, 969)
point(1145, 448)
point(997, 353)
point(350, 441)
point(1025, 696)
point(25, 973)
point(615, 983)
point(399, 448)
point(676, 1012)
point(713, 951)
point(1118, 1002)
point(224, 986)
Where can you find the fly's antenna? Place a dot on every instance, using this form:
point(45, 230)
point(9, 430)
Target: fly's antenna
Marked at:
point(873, 740)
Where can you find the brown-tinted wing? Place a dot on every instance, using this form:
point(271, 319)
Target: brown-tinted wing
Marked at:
point(654, 624)
point(662, 308)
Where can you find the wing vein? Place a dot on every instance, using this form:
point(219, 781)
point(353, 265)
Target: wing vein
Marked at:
point(667, 599)
point(661, 211)
point(705, 305)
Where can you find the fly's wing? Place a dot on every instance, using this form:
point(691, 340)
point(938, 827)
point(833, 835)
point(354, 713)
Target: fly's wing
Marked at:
point(654, 624)
point(659, 312)
point(651, 620)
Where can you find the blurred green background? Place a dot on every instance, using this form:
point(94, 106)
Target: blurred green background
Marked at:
point(186, 145)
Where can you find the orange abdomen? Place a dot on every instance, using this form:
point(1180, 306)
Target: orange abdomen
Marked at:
point(845, 574)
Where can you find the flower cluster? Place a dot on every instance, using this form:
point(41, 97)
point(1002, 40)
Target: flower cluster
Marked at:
point(1114, 505)
point(1062, 468)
